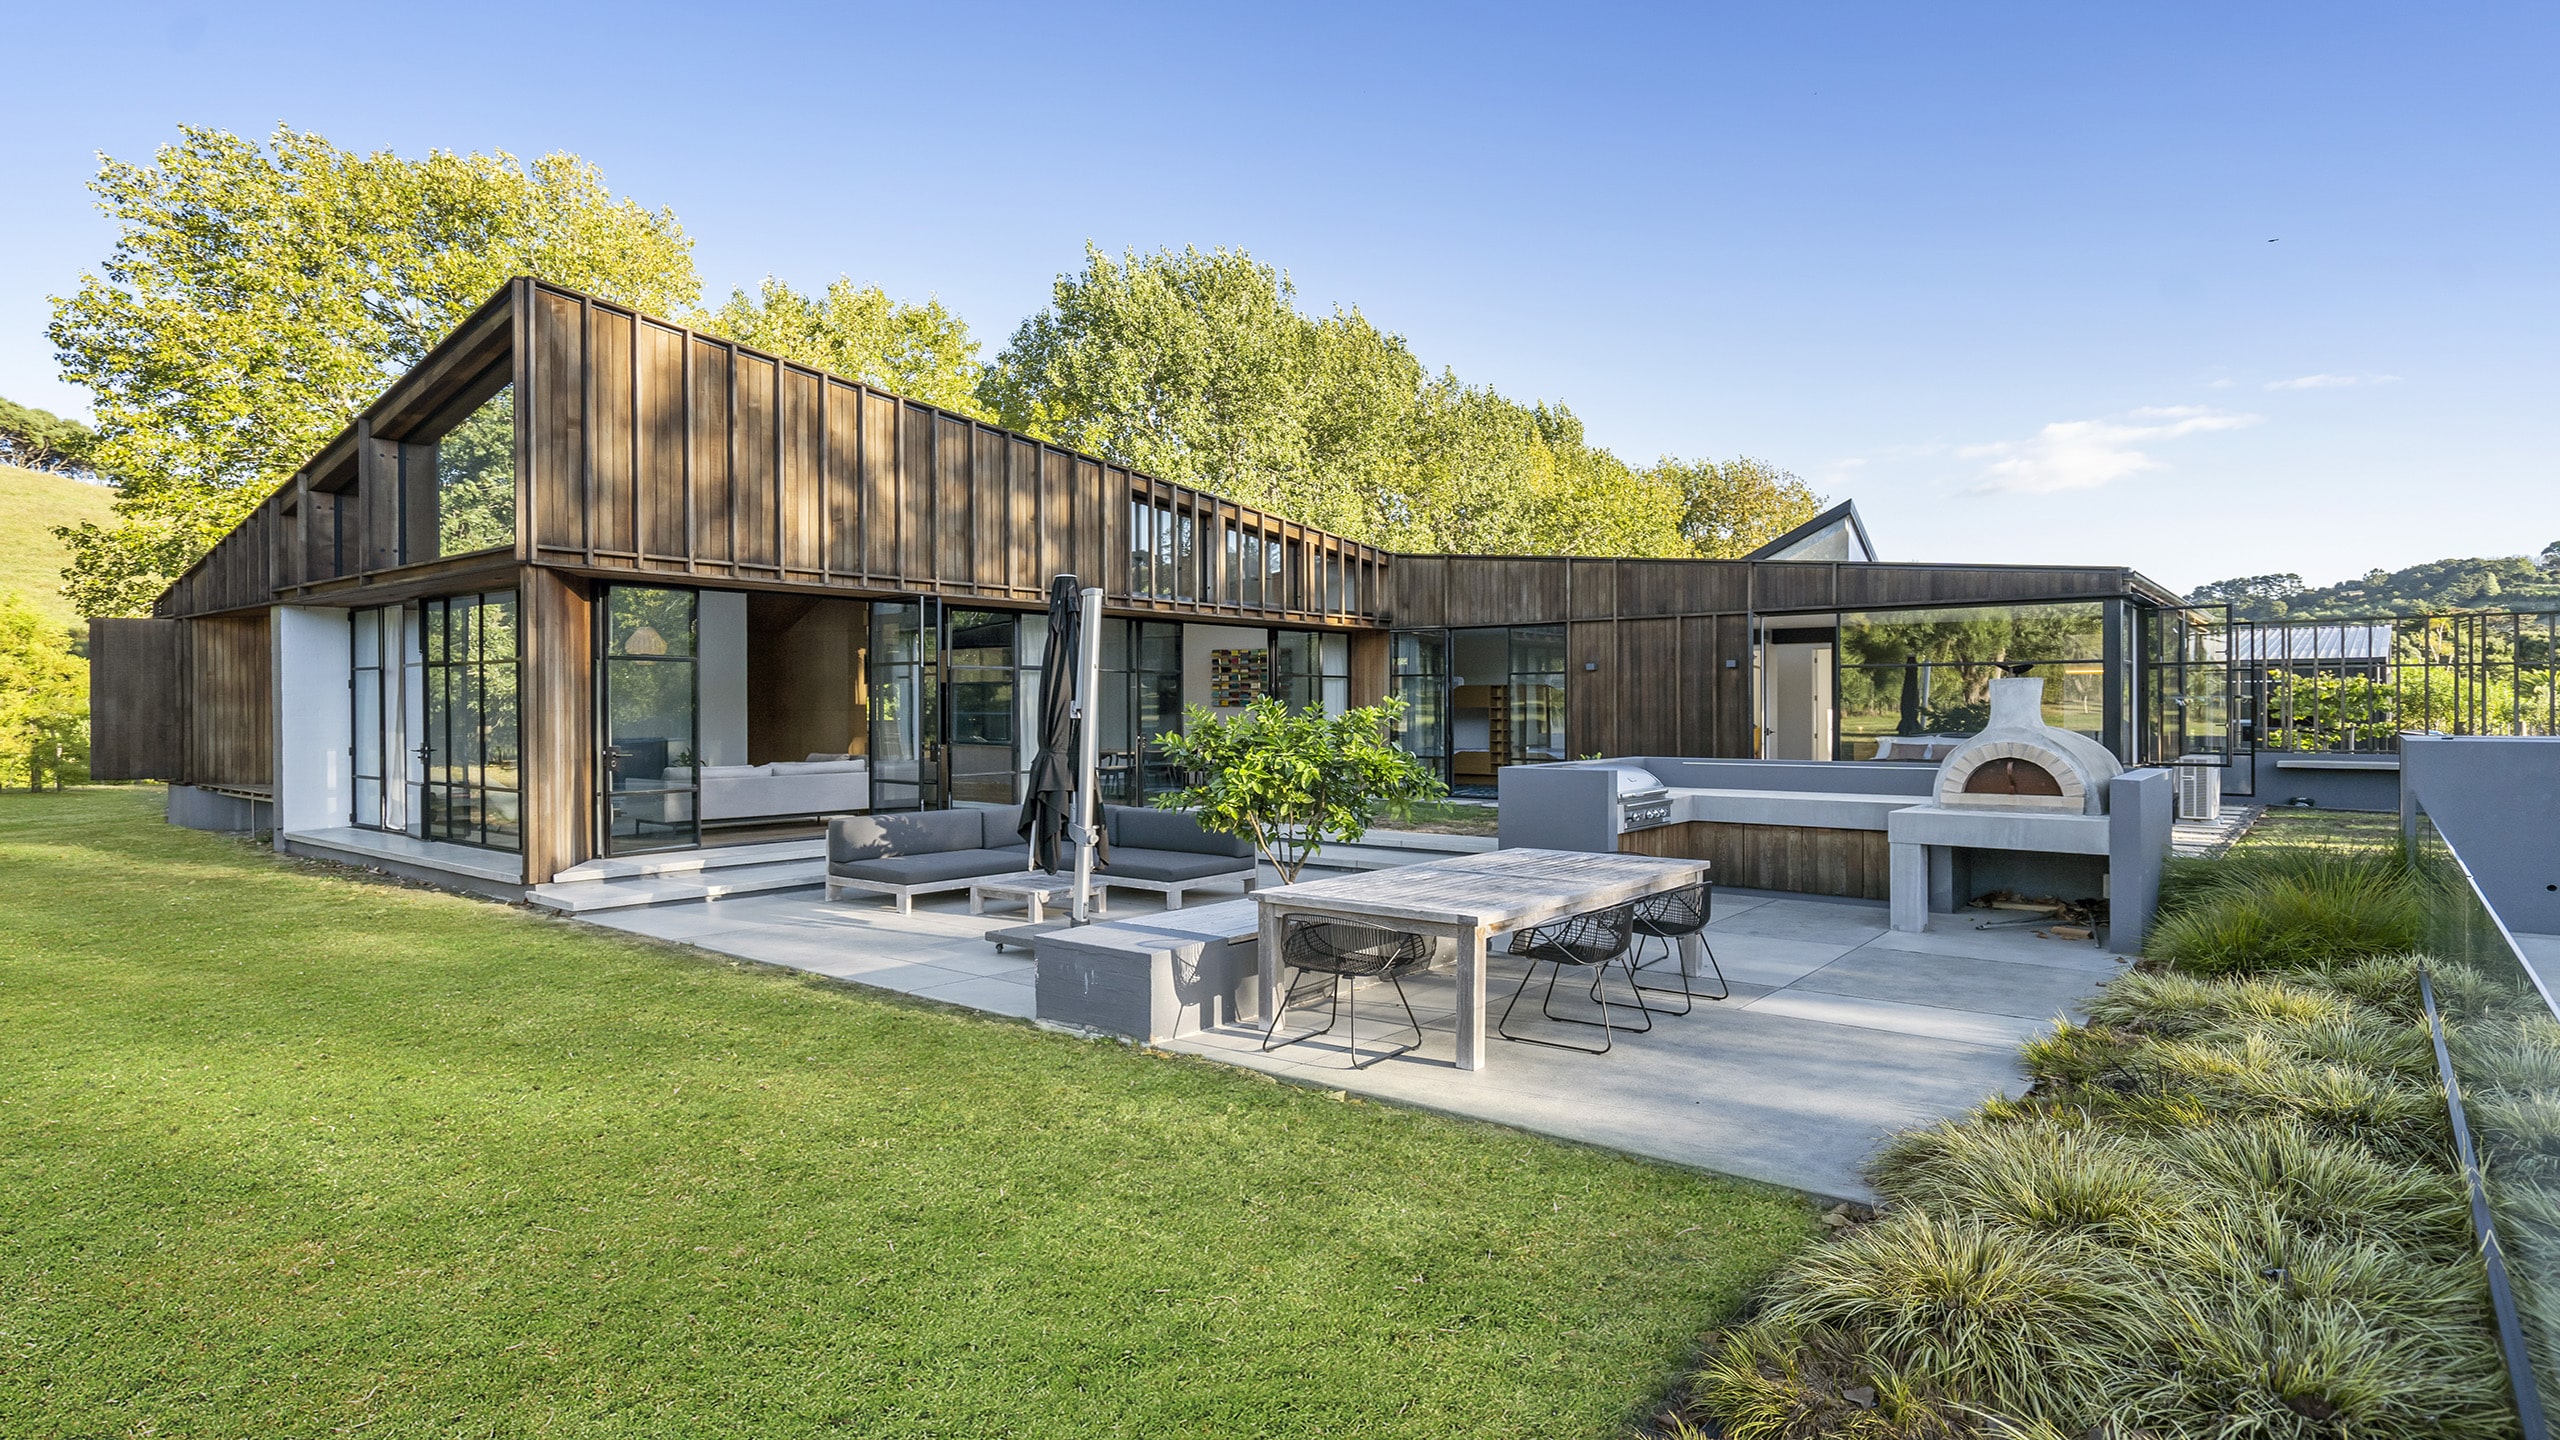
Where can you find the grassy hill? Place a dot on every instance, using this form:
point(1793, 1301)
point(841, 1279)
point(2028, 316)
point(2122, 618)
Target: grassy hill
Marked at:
point(31, 560)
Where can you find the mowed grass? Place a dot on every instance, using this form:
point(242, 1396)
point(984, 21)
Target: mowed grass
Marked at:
point(31, 559)
point(286, 1153)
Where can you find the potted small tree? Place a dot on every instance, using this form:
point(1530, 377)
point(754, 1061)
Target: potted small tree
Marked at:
point(1289, 783)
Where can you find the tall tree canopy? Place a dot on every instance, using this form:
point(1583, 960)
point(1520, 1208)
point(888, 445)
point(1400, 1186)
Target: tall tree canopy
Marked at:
point(923, 352)
point(1200, 368)
point(260, 295)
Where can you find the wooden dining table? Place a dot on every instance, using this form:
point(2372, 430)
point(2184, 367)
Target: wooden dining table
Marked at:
point(1469, 899)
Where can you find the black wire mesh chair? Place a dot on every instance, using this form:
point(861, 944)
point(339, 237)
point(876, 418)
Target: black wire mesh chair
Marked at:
point(1670, 917)
point(1337, 957)
point(1592, 941)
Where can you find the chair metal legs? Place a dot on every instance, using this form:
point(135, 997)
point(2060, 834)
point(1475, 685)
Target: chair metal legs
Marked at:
point(1337, 983)
point(1671, 952)
point(1546, 1006)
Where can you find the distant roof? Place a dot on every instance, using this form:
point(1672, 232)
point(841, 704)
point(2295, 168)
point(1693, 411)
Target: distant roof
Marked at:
point(2309, 640)
point(1835, 534)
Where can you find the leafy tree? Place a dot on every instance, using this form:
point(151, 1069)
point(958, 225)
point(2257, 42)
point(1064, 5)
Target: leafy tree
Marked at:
point(1200, 368)
point(34, 439)
point(1291, 782)
point(923, 352)
point(1730, 508)
point(2251, 597)
point(258, 296)
point(44, 701)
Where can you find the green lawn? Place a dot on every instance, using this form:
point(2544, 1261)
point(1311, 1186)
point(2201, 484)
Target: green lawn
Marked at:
point(31, 560)
point(284, 1153)
point(1447, 817)
point(2285, 830)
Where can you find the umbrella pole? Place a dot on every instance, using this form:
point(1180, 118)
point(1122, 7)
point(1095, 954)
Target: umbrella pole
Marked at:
point(1088, 741)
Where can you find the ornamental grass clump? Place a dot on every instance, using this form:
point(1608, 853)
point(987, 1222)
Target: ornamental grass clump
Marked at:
point(2226, 1208)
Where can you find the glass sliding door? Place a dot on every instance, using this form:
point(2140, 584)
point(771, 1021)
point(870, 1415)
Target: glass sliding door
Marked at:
point(906, 703)
point(1418, 675)
point(985, 758)
point(1311, 672)
point(1537, 695)
point(650, 707)
point(470, 789)
point(378, 640)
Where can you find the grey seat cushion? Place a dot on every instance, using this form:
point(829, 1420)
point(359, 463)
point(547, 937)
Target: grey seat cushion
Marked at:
point(1147, 829)
point(1131, 863)
point(924, 832)
point(929, 868)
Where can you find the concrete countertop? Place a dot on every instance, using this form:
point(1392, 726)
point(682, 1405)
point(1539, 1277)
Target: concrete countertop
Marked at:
point(1811, 809)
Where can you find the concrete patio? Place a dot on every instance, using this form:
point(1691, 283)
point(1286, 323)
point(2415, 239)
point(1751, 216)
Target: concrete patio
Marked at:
point(1838, 1031)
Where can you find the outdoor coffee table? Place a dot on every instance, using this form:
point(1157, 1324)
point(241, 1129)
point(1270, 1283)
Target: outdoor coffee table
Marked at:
point(1035, 891)
point(1468, 899)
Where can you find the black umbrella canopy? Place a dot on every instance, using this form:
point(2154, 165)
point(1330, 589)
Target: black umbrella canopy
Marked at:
point(1910, 695)
point(1046, 813)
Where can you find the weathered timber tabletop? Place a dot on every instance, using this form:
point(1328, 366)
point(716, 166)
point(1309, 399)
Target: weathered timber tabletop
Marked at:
point(1469, 899)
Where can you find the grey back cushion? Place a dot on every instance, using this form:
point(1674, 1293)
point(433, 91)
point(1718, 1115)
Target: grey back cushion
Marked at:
point(923, 832)
point(1141, 828)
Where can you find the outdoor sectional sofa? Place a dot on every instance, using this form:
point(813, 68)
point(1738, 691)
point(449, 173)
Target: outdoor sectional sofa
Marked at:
point(1166, 851)
point(921, 852)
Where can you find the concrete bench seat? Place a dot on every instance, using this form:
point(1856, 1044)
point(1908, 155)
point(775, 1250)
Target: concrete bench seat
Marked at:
point(1153, 977)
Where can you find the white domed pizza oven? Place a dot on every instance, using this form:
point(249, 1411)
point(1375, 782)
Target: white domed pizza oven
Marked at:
point(2021, 763)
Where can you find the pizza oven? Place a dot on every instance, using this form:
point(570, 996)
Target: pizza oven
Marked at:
point(2020, 763)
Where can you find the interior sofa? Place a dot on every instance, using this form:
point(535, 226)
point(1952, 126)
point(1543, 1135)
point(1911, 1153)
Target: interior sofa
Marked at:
point(1166, 851)
point(819, 785)
point(921, 852)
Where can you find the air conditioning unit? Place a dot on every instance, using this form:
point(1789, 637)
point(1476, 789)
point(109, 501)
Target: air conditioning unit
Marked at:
point(2199, 790)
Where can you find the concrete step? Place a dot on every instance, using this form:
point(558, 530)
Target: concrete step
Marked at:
point(692, 862)
point(582, 897)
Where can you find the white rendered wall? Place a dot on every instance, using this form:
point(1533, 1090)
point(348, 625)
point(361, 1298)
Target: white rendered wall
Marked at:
point(1198, 641)
point(312, 719)
point(723, 676)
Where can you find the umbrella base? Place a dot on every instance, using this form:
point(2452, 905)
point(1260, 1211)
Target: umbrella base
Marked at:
point(1021, 936)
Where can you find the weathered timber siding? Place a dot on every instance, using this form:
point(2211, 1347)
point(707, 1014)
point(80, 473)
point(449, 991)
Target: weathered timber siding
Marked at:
point(1796, 858)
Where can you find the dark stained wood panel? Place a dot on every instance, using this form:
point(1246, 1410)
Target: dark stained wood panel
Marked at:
point(757, 479)
point(1899, 586)
point(558, 718)
point(665, 504)
point(882, 505)
point(1792, 585)
point(1501, 590)
point(1022, 490)
point(844, 489)
point(1591, 696)
point(1799, 859)
point(1594, 589)
point(1683, 587)
point(1420, 591)
point(559, 452)
point(1057, 517)
point(137, 719)
point(1652, 691)
point(713, 434)
point(803, 453)
point(613, 519)
point(989, 503)
point(920, 491)
point(231, 714)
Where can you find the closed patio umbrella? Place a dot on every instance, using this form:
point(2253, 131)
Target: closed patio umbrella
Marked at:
point(1047, 807)
point(1910, 695)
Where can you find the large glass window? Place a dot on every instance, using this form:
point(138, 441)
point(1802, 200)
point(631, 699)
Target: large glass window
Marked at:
point(906, 701)
point(1311, 672)
point(1537, 694)
point(652, 705)
point(374, 694)
point(2186, 678)
point(1418, 675)
point(476, 478)
point(1926, 674)
point(985, 757)
point(1141, 700)
point(471, 790)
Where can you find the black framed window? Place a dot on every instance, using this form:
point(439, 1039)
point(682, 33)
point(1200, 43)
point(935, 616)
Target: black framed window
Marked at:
point(472, 790)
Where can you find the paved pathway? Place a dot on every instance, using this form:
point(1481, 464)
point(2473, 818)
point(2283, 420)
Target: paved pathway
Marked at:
point(1839, 1031)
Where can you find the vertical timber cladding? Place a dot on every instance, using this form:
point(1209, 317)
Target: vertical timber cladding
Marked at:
point(650, 447)
point(1797, 858)
point(229, 665)
point(137, 726)
point(559, 716)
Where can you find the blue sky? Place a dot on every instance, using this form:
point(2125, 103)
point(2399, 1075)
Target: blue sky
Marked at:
point(2202, 290)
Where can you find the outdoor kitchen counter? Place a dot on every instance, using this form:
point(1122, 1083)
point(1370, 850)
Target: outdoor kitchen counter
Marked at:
point(1812, 809)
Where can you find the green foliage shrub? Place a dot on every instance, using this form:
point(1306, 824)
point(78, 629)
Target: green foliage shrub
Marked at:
point(2298, 914)
point(2227, 1208)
